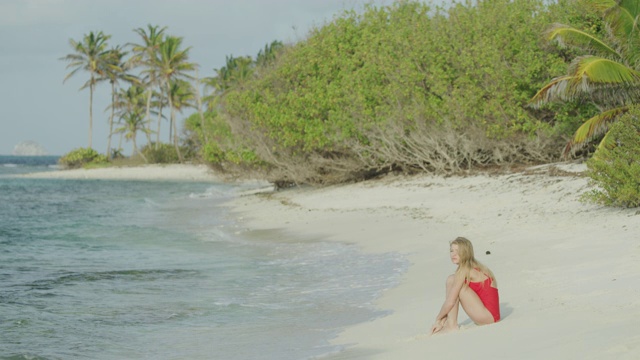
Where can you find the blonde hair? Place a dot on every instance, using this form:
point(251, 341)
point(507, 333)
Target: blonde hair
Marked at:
point(468, 261)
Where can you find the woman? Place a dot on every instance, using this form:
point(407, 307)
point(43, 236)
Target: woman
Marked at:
point(473, 286)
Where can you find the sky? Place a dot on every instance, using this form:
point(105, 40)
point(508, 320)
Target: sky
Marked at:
point(37, 106)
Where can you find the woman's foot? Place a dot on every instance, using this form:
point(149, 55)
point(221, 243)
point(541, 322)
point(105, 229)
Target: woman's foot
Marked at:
point(438, 326)
point(447, 328)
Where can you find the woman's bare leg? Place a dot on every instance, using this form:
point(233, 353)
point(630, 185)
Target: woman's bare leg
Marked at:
point(474, 307)
point(451, 321)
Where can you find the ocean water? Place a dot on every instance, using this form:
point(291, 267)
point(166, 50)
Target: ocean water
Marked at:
point(162, 270)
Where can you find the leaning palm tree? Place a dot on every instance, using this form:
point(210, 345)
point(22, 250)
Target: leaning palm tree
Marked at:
point(608, 76)
point(173, 63)
point(90, 55)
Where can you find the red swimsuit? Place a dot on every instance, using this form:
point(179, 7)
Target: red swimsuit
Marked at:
point(488, 295)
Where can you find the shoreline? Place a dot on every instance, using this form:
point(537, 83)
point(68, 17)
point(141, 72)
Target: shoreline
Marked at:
point(566, 269)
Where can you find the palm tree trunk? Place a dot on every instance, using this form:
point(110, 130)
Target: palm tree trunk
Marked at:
point(91, 86)
point(113, 103)
point(199, 103)
point(159, 123)
point(148, 116)
point(173, 126)
point(175, 136)
point(136, 151)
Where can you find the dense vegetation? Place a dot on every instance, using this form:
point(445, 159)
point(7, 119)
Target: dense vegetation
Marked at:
point(607, 75)
point(616, 171)
point(409, 86)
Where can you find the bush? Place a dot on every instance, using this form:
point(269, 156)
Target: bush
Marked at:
point(215, 156)
point(212, 153)
point(616, 171)
point(82, 157)
point(163, 153)
point(117, 154)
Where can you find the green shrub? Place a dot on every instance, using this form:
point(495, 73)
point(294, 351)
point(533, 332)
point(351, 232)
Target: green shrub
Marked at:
point(163, 153)
point(214, 155)
point(616, 171)
point(117, 154)
point(82, 157)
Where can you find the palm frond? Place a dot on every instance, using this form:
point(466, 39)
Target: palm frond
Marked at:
point(610, 96)
point(622, 16)
point(552, 91)
point(608, 142)
point(591, 69)
point(566, 35)
point(69, 75)
point(586, 76)
point(594, 127)
point(600, 6)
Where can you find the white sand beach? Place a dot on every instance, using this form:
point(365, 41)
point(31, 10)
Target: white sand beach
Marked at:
point(568, 272)
point(171, 172)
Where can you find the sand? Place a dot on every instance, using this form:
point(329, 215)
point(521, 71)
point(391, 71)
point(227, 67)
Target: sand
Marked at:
point(568, 271)
point(172, 172)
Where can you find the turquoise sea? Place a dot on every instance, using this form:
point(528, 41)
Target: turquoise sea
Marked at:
point(93, 269)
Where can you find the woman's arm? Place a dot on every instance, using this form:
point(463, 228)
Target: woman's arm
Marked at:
point(453, 292)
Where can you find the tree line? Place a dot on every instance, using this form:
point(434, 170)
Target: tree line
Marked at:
point(404, 87)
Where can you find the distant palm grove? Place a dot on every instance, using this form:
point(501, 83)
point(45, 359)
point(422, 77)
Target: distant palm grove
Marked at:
point(406, 87)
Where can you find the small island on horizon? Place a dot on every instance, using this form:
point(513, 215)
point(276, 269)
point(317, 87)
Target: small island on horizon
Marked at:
point(29, 148)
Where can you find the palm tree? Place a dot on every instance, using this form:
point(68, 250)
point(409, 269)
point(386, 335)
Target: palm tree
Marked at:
point(198, 98)
point(132, 124)
point(159, 101)
point(172, 63)
point(235, 71)
point(145, 54)
point(608, 76)
point(130, 108)
point(90, 55)
point(269, 53)
point(181, 95)
point(115, 70)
